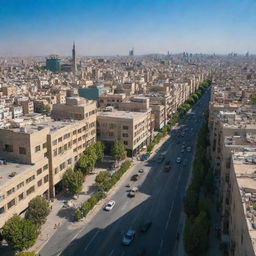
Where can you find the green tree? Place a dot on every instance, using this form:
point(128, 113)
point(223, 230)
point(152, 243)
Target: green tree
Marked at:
point(101, 177)
point(38, 209)
point(196, 238)
point(99, 150)
point(73, 181)
point(27, 254)
point(118, 151)
point(19, 233)
point(253, 98)
point(87, 162)
point(191, 202)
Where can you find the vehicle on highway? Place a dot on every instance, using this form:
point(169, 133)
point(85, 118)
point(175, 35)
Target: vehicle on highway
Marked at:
point(135, 177)
point(188, 149)
point(132, 192)
point(141, 171)
point(146, 226)
point(178, 160)
point(128, 237)
point(167, 166)
point(109, 206)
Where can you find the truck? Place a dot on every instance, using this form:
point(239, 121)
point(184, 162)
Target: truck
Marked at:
point(167, 166)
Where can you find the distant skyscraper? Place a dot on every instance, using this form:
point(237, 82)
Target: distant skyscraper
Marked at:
point(74, 66)
point(53, 63)
point(131, 52)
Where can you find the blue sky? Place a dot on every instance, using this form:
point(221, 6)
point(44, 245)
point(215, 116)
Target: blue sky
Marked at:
point(110, 27)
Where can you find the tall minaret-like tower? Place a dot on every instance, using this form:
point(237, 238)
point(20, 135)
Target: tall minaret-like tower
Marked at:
point(74, 66)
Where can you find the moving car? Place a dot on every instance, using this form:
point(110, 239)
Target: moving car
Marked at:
point(188, 149)
point(135, 177)
point(146, 226)
point(128, 237)
point(178, 160)
point(167, 166)
point(109, 206)
point(133, 191)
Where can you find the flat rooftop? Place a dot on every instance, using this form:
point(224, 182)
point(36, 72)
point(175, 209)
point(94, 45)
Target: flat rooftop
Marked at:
point(11, 168)
point(129, 115)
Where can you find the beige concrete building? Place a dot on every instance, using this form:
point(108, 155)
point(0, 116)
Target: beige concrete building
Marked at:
point(35, 157)
point(76, 108)
point(135, 129)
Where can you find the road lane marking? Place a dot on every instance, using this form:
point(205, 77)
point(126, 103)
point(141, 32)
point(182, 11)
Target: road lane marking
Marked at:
point(111, 253)
point(161, 246)
point(94, 236)
point(169, 216)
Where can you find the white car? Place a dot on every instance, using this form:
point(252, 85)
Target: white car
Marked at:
point(188, 149)
point(109, 206)
point(133, 192)
point(178, 160)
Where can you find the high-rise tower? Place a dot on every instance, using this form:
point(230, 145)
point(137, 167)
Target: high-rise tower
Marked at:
point(74, 66)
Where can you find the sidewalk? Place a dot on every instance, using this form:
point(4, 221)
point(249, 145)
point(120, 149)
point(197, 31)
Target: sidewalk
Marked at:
point(60, 215)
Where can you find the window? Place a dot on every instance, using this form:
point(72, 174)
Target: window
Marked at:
point(9, 192)
point(46, 178)
point(45, 167)
point(125, 142)
point(45, 145)
point(62, 166)
point(80, 138)
point(60, 139)
point(8, 148)
point(46, 154)
point(74, 141)
point(66, 146)
point(60, 150)
point(21, 196)
point(74, 132)
point(67, 135)
point(79, 130)
point(30, 190)
point(39, 171)
point(1, 210)
point(54, 142)
point(76, 158)
point(125, 127)
point(125, 135)
point(11, 203)
point(70, 161)
point(37, 148)
point(20, 185)
point(22, 151)
point(110, 134)
point(30, 179)
point(39, 183)
point(55, 152)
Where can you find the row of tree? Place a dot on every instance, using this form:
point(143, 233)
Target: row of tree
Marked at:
point(196, 202)
point(182, 110)
point(104, 183)
point(21, 233)
point(73, 179)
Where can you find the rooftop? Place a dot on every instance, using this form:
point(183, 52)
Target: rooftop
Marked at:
point(121, 114)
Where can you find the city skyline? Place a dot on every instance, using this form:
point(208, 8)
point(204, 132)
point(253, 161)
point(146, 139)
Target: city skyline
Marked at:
point(113, 27)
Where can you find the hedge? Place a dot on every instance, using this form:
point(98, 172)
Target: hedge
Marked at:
point(105, 185)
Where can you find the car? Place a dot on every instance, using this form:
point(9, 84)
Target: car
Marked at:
point(141, 171)
point(128, 237)
point(109, 206)
point(167, 166)
point(146, 226)
point(182, 150)
point(188, 149)
point(132, 192)
point(178, 160)
point(135, 177)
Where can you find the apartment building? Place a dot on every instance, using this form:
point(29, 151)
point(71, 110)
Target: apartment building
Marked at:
point(135, 129)
point(35, 157)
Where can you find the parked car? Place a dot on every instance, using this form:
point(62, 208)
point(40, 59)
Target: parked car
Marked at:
point(128, 237)
point(146, 226)
point(167, 166)
point(109, 206)
point(141, 171)
point(132, 192)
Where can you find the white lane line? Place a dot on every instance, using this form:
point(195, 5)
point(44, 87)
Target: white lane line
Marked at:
point(161, 246)
point(169, 216)
point(94, 236)
point(111, 253)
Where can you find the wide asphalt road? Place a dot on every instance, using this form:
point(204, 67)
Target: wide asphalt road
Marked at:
point(159, 200)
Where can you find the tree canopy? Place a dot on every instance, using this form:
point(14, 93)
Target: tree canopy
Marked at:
point(73, 181)
point(118, 151)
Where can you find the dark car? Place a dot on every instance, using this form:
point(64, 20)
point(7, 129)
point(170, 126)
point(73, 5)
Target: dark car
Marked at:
point(145, 227)
point(135, 177)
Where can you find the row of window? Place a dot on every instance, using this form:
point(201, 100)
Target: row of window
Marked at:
point(22, 195)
